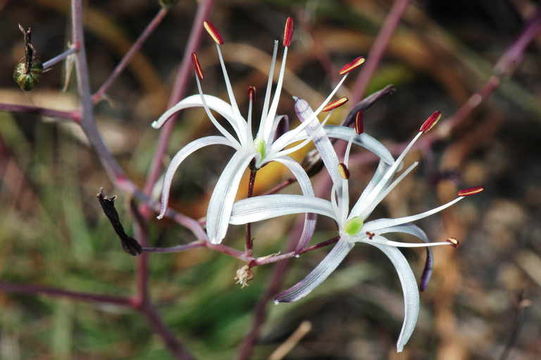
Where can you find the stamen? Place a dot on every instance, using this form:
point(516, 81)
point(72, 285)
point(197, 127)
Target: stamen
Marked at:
point(471, 191)
point(352, 65)
point(251, 97)
point(454, 242)
point(197, 66)
point(251, 93)
point(430, 122)
point(343, 171)
point(359, 123)
point(213, 32)
point(288, 32)
point(333, 105)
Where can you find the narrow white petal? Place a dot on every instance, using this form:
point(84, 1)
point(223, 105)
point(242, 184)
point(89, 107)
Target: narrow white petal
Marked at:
point(409, 289)
point(269, 83)
point(267, 122)
point(228, 86)
point(319, 274)
point(385, 223)
point(392, 170)
point(319, 137)
point(265, 207)
point(307, 190)
point(416, 231)
point(179, 157)
point(364, 140)
point(378, 175)
point(410, 229)
point(212, 102)
point(365, 209)
point(223, 196)
point(239, 126)
point(377, 240)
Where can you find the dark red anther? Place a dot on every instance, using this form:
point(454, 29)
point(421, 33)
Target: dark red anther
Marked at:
point(213, 32)
point(352, 65)
point(251, 93)
point(430, 122)
point(359, 123)
point(288, 32)
point(471, 191)
point(333, 105)
point(197, 66)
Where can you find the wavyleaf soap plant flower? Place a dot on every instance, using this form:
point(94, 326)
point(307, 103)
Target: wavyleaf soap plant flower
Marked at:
point(352, 223)
point(256, 149)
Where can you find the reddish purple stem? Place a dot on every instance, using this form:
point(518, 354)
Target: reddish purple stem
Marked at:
point(76, 295)
point(129, 55)
point(179, 90)
point(377, 50)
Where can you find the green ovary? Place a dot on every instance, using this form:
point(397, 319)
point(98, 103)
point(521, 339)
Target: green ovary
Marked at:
point(353, 226)
point(261, 147)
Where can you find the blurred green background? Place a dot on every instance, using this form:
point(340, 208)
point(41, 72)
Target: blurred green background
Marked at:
point(52, 231)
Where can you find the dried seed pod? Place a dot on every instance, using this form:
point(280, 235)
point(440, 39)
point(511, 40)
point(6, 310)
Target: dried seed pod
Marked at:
point(28, 71)
point(28, 77)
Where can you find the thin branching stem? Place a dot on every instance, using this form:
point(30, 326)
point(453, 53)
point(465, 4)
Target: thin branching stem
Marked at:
point(179, 90)
point(249, 240)
point(60, 57)
point(154, 23)
point(378, 49)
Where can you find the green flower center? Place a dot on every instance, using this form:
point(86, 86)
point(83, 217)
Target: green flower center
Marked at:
point(353, 226)
point(260, 147)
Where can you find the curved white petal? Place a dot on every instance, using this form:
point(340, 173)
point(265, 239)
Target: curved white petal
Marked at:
point(364, 140)
point(378, 175)
point(419, 233)
point(319, 274)
point(392, 170)
point(319, 137)
point(265, 128)
point(179, 157)
point(307, 190)
point(223, 196)
point(266, 102)
point(265, 207)
point(213, 103)
point(409, 289)
point(228, 86)
point(385, 223)
point(364, 209)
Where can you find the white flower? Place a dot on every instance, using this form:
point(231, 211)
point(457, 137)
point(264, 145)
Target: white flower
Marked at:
point(352, 225)
point(262, 148)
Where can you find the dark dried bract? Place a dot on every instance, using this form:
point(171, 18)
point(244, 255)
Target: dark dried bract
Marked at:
point(129, 244)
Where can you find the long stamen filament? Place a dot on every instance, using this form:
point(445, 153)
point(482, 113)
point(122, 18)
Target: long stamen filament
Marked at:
point(214, 121)
point(370, 206)
point(269, 82)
